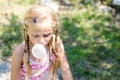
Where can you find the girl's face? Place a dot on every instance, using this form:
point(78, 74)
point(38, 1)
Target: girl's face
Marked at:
point(40, 33)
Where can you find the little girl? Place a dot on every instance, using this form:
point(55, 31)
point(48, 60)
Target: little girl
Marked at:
point(40, 27)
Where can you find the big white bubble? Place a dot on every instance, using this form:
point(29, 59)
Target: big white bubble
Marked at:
point(39, 51)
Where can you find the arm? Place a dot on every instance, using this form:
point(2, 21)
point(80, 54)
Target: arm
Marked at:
point(64, 66)
point(16, 62)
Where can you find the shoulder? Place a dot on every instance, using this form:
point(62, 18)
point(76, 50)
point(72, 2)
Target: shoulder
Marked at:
point(59, 41)
point(19, 49)
point(18, 52)
point(60, 47)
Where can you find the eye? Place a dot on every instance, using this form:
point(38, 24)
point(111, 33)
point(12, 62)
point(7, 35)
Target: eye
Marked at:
point(36, 36)
point(46, 35)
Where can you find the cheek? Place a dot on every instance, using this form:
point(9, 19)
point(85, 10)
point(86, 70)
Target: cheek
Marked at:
point(48, 39)
point(34, 40)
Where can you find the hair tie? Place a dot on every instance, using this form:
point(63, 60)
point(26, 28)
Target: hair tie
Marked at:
point(35, 19)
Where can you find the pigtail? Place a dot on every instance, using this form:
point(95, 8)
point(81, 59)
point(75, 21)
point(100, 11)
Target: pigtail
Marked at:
point(28, 58)
point(53, 50)
point(27, 52)
point(52, 62)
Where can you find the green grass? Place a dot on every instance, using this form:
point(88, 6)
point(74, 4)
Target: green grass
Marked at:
point(10, 35)
point(92, 44)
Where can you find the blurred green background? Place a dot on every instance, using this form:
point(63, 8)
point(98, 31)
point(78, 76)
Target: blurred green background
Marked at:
point(90, 33)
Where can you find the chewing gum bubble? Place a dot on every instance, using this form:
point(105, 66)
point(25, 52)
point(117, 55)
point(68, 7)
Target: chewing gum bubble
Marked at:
point(39, 51)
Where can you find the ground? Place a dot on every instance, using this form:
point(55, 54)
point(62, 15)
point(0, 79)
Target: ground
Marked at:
point(5, 70)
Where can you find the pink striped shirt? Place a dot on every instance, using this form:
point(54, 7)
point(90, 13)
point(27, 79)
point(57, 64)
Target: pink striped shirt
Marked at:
point(40, 71)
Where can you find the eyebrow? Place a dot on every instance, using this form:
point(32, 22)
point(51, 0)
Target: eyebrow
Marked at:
point(47, 33)
point(40, 33)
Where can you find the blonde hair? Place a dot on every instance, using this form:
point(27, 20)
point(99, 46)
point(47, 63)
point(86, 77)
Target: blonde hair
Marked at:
point(36, 15)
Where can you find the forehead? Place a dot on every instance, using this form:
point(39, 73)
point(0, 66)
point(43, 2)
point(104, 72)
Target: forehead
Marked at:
point(40, 28)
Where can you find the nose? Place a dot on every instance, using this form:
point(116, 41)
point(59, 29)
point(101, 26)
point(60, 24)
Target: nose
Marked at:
point(41, 40)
